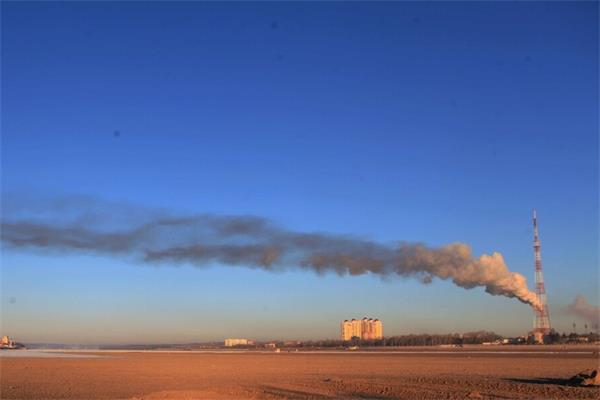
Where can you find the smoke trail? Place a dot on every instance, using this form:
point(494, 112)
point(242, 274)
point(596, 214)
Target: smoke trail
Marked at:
point(585, 310)
point(152, 236)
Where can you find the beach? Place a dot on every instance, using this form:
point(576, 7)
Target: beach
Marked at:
point(411, 373)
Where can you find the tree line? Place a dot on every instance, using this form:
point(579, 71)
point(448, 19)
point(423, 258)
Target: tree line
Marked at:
point(407, 340)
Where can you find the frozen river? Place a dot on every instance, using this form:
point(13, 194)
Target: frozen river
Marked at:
point(43, 354)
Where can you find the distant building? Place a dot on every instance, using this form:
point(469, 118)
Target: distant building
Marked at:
point(365, 329)
point(7, 343)
point(377, 329)
point(356, 328)
point(346, 330)
point(238, 342)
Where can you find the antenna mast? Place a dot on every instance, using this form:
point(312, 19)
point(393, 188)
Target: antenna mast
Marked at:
point(542, 317)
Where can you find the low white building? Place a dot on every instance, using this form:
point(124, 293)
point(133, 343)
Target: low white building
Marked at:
point(238, 342)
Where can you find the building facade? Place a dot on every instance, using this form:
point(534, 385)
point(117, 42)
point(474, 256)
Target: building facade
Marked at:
point(346, 330)
point(238, 342)
point(7, 343)
point(364, 329)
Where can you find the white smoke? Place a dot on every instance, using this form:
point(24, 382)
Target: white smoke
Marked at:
point(151, 237)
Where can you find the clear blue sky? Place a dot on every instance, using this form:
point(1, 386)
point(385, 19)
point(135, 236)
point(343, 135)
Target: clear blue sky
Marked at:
point(431, 122)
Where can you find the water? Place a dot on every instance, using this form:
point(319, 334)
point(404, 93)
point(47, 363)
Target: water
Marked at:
point(43, 354)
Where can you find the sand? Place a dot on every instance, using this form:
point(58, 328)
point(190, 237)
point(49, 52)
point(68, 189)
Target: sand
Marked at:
point(317, 375)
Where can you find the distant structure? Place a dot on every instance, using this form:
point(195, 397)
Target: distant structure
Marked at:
point(238, 342)
point(365, 329)
point(7, 343)
point(541, 325)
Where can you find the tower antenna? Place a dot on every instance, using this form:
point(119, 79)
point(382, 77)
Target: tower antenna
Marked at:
point(541, 325)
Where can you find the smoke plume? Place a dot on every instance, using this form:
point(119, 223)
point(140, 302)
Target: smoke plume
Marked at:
point(581, 308)
point(151, 236)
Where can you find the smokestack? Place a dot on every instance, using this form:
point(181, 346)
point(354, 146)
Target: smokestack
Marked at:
point(158, 237)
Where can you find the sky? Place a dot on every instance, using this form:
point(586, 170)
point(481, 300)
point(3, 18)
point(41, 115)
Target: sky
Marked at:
point(396, 121)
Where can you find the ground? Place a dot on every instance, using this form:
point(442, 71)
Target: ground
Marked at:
point(412, 374)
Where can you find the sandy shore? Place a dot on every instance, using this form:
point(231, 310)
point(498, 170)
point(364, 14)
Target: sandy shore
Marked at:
point(315, 375)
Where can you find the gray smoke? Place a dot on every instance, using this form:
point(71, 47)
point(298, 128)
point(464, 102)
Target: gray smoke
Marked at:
point(588, 312)
point(151, 236)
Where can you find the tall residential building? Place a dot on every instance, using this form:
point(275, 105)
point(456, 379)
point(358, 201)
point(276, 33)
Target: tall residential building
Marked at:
point(356, 328)
point(377, 329)
point(346, 331)
point(365, 329)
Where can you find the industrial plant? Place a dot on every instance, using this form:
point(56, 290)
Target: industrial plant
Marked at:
point(372, 329)
point(364, 329)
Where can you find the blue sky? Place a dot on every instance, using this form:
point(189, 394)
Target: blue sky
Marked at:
point(427, 122)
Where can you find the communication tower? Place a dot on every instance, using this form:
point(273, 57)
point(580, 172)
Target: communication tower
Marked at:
point(541, 325)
